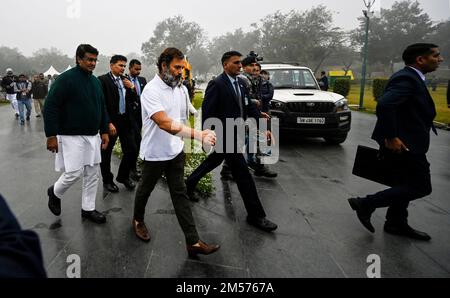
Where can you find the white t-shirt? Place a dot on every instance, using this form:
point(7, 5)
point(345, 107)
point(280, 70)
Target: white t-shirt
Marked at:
point(157, 96)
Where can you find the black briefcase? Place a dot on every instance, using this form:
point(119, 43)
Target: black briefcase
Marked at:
point(378, 166)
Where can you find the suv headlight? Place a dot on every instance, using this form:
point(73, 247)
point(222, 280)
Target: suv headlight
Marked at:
point(342, 105)
point(277, 105)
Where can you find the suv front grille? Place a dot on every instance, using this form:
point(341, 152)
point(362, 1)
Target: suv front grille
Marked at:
point(311, 107)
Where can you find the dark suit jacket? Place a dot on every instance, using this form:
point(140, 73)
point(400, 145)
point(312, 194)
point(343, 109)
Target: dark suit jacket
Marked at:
point(137, 111)
point(221, 102)
point(20, 251)
point(406, 110)
point(112, 99)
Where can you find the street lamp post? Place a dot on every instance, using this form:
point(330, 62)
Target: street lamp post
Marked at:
point(367, 14)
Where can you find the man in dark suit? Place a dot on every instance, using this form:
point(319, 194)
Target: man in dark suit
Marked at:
point(121, 102)
point(134, 71)
point(20, 251)
point(226, 97)
point(405, 117)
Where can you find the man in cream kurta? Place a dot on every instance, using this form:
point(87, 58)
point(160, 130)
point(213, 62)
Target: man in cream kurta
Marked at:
point(74, 114)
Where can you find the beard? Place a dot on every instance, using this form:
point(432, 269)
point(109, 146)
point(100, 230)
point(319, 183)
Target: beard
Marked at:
point(171, 80)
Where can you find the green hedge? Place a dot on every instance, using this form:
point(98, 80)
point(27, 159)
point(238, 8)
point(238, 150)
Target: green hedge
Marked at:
point(342, 87)
point(378, 87)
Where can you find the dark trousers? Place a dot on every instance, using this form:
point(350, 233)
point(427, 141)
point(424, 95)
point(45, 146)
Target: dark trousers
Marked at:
point(174, 171)
point(137, 142)
point(415, 183)
point(125, 133)
point(244, 180)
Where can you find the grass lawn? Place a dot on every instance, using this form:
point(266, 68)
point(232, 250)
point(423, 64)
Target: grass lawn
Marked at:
point(439, 97)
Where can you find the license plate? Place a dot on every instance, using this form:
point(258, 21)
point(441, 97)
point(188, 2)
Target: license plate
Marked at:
point(301, 120)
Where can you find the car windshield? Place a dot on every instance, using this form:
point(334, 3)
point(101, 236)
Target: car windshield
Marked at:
point(292, 79)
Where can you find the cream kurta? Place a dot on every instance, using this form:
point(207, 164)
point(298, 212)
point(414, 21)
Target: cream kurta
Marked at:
point(76, 152)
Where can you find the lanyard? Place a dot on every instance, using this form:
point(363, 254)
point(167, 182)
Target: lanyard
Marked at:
point(115, 82)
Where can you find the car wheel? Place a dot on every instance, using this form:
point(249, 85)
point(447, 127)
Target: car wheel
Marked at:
point(336, 140)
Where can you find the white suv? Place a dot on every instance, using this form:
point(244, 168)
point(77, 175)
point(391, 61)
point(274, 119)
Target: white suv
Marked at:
point(301, 106)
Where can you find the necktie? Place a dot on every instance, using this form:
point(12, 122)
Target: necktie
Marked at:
point(238, 94)
point(122, 98)
point(136, 85)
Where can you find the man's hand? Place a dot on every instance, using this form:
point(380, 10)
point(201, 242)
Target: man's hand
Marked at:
point(265, 115)
point(396, 145)
point(52, 144)
point(127, 83)
point(105, 141)
point(258, 104)
point(112, 130)
point(209, 137)
point(270, 138)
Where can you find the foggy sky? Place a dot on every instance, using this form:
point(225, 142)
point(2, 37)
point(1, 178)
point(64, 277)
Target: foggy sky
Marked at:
point(121, 26)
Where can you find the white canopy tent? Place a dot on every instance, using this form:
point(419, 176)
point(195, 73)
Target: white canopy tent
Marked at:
point(51, 71)
point(68, 68)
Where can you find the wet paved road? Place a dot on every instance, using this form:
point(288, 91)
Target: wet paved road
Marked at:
point(318, 235)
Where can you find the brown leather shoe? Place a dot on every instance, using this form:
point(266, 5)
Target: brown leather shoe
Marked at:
point(141, 231)
point(202, 249)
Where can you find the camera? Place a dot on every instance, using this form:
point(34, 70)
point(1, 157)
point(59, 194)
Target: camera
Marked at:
point(253, 54)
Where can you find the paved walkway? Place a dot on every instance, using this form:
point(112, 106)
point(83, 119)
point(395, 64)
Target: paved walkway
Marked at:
point(318, 235)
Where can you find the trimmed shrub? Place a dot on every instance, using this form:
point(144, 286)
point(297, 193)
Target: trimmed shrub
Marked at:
point(205, 186)
point(378, 88)
point(342, 87)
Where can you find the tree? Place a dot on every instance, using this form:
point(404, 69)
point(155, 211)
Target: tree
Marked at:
point(345, 57)
point(200, 62)
point(308, 37)
point(13, 58)
point(240, 41)
point(403, 24)
point(42, 59)
point(173, 32)
point(441, 38)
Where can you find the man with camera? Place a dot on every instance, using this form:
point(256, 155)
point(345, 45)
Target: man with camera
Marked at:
point(251, 76)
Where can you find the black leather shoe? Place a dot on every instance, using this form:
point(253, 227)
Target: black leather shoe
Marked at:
point(111, 187)
point(262, 223)
point(54, 203)
point(135, 175)
point(407, 231)
point(129, 184)
point(364, 213)
point(94, 216)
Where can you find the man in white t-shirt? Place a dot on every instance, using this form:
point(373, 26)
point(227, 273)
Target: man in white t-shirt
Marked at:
point(165, 107)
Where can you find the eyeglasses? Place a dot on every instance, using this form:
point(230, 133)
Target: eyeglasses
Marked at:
point(91, 59)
